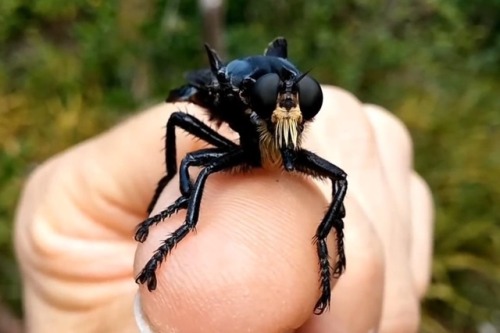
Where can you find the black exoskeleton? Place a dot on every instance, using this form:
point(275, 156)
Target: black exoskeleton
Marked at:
point(268, 102)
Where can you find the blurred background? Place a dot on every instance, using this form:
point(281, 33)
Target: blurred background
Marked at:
point(71, 69)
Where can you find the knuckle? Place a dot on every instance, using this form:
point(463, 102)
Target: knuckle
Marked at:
point(388, 125)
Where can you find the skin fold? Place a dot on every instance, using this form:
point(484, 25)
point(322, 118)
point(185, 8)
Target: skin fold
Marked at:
point(251, 265)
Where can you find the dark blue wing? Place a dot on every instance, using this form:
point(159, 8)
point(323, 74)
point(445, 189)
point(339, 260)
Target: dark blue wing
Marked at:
point(197, 80)
point(277, 48)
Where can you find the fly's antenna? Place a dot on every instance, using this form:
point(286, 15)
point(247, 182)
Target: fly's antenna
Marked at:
point(301, 76)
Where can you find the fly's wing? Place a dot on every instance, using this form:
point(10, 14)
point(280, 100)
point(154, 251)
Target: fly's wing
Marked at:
point(277, 48)
point(198, 81)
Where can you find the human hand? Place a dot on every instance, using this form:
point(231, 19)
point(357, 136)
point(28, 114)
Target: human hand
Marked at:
point(251, 266)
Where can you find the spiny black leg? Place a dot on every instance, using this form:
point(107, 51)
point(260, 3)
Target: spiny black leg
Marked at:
point(202, 157)
point(226, 161)
point(338, 224)
point(198, 158)
point(143, 228)
point(193, 126)
point(148, 273)
point(314, 165)
point(324, 269)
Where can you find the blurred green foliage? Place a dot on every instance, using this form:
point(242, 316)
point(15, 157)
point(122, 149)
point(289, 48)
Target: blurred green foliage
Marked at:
point(70, 69)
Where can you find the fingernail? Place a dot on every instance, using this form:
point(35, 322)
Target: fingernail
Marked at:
point(140, 320)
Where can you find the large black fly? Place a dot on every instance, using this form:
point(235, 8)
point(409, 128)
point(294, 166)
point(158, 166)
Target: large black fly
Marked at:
point(268, 102)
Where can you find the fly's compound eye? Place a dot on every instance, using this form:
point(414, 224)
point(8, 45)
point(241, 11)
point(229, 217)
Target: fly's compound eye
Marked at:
point(310, 97)
point(265, 94)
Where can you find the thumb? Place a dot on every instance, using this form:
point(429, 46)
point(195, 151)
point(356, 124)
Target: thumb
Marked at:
point(251, 272)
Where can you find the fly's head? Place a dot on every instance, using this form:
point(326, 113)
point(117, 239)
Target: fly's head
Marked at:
point(284, 104)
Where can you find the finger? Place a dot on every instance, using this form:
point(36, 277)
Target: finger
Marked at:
point(344, 135)
point(401, 314)
point(422, 216)
point(354, 307)
point(396, 154)
point(67, 258)
point(116, 172)
point(101, 184)
point(104, 185)
point(358, 153)
point(251, 265)
point(394, 147)
point(358, 296)
point(132, 155)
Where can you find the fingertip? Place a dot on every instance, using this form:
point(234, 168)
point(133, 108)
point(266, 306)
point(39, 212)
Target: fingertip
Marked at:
point(250, 266)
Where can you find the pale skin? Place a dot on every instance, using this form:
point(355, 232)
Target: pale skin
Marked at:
point(251, 266)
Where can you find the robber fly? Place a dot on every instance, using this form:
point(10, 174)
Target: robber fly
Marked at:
point(268, 102)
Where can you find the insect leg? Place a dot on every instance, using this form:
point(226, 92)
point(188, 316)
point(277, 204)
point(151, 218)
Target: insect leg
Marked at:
point(198, 158)
point(311, 164)
point(226, 161)
point(193, 126)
